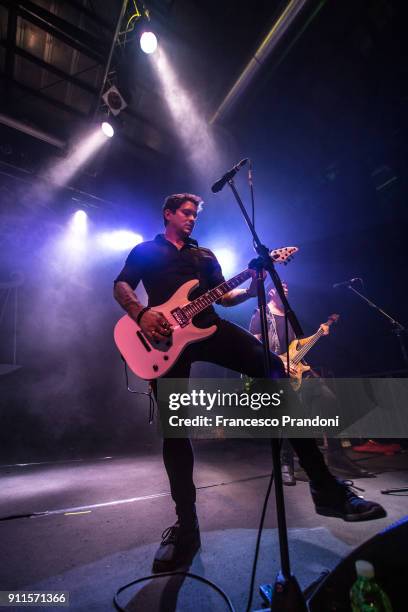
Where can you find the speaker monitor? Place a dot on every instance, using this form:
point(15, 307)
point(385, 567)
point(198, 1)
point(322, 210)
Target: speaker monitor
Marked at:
point(388, 552)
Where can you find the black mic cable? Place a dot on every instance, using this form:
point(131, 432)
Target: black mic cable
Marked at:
point(251, 189)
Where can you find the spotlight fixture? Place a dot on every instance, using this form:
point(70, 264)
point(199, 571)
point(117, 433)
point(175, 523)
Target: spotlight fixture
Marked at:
point(148, 42)
point(114, 100)
point(107, 129)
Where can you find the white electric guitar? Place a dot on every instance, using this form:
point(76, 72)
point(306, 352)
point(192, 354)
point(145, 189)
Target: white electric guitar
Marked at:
point(150, 357)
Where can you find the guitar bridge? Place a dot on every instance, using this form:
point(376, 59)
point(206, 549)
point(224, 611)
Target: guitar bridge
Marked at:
point(181, 318)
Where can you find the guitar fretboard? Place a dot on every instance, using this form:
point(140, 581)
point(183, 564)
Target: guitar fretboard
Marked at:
point(208, 298)
point(306, 347)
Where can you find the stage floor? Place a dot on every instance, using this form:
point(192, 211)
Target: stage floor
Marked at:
point(91, 525)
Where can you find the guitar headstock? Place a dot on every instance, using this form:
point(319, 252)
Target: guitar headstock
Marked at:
point(333, 319)
point(283, 255)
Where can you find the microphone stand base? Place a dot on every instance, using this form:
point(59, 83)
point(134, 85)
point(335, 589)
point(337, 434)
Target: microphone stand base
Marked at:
point(283, 596)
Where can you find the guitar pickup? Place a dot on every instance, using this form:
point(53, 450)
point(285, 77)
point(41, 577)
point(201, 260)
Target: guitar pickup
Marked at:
point(143, 341)
point(181, 318)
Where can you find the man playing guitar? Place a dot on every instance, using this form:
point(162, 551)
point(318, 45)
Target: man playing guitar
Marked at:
point(316, 396)
point(163, 264)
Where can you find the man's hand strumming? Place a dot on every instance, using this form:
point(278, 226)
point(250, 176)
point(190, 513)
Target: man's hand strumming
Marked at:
point(155, 324)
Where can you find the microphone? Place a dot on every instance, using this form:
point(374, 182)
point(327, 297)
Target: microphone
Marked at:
point(228, 176)
point(345, 283)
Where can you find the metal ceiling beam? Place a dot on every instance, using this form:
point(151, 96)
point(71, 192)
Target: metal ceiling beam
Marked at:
point(10, 44)
point(95, 107)
point(85, 117)
point(38, 94)
point(27, 177)
point(90, 14)
point(60, 28)
point(156, 126)
point(11, 40)
point(31, 131)
point(51, 68)
point(69, 109)
point(261, 55)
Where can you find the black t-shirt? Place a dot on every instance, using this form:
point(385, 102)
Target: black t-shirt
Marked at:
point(255, 328)
point(163, 268)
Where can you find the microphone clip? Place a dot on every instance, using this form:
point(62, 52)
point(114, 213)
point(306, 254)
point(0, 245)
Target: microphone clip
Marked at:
point(218, 185)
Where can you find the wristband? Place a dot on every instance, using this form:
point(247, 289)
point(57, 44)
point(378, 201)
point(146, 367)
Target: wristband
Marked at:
point(141, 313)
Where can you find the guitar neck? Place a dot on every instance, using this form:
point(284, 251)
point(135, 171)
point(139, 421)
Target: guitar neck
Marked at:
point(211, 296)
point(306, 347)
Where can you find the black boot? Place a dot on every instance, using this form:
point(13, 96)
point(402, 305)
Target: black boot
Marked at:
point(336, 498)
point(339, 463)
point(178, 547)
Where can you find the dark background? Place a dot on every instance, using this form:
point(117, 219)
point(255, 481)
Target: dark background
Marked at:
point(325, 123)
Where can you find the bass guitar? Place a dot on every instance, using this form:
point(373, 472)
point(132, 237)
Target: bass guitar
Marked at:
point(297, 353)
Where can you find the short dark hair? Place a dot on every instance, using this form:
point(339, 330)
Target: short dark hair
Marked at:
point(173, 202)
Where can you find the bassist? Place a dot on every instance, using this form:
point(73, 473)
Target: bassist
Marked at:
point(319, 395)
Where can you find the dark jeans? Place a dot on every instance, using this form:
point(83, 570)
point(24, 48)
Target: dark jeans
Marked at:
point(234, 348)
point(321, 400)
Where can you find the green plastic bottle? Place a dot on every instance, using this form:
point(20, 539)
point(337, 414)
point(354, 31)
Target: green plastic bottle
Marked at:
point(365, 594)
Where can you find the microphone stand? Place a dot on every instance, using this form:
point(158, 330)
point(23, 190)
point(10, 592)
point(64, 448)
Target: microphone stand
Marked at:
point(285, 594)
point(398, 329)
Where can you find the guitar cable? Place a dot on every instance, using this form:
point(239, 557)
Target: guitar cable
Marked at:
point(149, 394)
point(259, 536)
point(251, 189)
point(199, 578)
point(167, 575)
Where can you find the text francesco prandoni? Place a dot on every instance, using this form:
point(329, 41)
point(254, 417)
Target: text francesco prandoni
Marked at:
point(254, 401)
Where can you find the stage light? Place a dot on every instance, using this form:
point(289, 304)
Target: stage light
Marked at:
point(148, 42)
point(81, 151)
point(79, 222)
point(227, 260)
point(120, 240)
point(114, 100)
point(107, 129)
point(74, 239)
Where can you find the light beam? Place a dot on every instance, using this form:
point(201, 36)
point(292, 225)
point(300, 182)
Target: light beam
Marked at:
point(81, 153)
point(190, 124)
point(227, 260)
point(119, 240)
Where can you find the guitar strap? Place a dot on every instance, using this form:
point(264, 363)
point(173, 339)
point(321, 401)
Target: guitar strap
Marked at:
point(199, 255)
